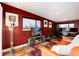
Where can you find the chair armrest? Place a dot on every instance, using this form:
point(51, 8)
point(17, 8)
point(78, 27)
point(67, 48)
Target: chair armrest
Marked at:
point(61, 49)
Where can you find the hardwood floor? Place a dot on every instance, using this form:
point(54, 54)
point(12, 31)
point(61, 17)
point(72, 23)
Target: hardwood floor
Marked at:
point(45, 48)
point(18, 52)
point(23, 52)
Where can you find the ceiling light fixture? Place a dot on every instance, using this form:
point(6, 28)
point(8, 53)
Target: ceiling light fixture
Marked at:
point(65, 19)
point(57, 13)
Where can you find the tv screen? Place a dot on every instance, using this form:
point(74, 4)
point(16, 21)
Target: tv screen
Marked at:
point(36, 29)
point(60, 29)
point(73, 29)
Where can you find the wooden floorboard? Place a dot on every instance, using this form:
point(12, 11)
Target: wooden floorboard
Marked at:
point(45, 51)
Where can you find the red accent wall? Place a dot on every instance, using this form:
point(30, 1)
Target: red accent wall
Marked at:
point(20, 37)
point(76, 22)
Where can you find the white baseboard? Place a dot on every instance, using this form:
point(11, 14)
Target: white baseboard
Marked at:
point(16, 47)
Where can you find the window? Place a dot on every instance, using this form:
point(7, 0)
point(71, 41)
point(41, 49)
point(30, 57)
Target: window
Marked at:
point(71, 25)
point(63, 25)
point(30, 23)
point(66, 26)
point(38, 23)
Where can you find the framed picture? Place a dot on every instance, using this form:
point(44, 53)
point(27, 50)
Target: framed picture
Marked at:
point(11, 17)
point(45, 23)
point(50, 24)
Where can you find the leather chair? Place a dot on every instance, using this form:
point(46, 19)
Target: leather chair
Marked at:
point(65, 49)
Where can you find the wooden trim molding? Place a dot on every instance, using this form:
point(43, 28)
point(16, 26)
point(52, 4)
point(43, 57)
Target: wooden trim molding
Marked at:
point(16, 47)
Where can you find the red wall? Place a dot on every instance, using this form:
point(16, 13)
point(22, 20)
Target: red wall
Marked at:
point(20, 37)
point(76, 22)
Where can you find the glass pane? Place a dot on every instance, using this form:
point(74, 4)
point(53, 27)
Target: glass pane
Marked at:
point(63, 25)
point(38, 23)
point(71, 26)
point(28, 23)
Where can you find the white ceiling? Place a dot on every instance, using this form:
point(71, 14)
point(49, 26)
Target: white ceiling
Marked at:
point(55, 11)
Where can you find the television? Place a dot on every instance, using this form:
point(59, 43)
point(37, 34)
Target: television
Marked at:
point(73, 29)
point(60, 29)
point(37, 29)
